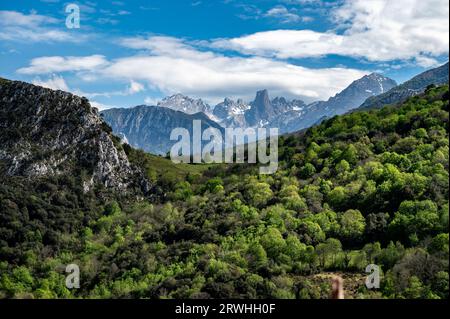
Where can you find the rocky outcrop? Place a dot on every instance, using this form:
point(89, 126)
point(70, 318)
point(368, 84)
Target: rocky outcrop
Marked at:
point(46, 132)
point(230, 113)
point(185, 104)
point(261, 111)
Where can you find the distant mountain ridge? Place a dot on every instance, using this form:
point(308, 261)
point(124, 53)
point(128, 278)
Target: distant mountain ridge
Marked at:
point(410, 88)
point(350, 98)
point(288, 116)
point(149, 127)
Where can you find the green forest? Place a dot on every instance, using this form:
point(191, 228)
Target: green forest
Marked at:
point(368, 187)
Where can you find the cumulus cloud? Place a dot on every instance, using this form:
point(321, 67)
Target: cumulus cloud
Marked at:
point(135, 87)
point(52, 64)
point(101, 106)
point(172, 65)
point(426, 62)
point(54, 82)
point(17, 26)
point(14, 18)
point(283, 14)
point(377, 30)
point(151, 100)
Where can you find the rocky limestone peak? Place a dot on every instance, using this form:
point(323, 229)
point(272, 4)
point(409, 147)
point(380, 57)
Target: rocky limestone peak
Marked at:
point(379, 82)
point(262, 100)
point(261, 110)
point(46, 132)
point(229, 108)
point(228, 101)
point(180, 102)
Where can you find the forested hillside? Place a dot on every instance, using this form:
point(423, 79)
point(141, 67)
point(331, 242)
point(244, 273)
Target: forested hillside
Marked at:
point(363, 188)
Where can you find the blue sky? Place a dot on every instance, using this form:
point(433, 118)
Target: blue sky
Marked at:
point(135, 52)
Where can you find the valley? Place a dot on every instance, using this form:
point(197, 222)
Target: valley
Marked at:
point(365, 187)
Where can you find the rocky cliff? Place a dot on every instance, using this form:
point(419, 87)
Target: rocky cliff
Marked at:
point(46, 132)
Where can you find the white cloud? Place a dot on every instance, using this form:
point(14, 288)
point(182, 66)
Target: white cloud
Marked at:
point(283, 14)
point(377, 30)
point(171, 65)
point(283, 43)
point(52, 64)
point(101, 106)
point(107, 21)
point(426, 62)
point(123, 12)
point(14, 18)
point(55, 82)
point(151, 100)
point(16, 26)
point(135, 87)
point(278, 13)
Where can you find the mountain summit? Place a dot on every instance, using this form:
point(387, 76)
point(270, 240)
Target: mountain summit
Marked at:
point(231, 113)
point(357, 92)
point(261, 111)
point(410, 88)
point(349, 98)
point(182, 103)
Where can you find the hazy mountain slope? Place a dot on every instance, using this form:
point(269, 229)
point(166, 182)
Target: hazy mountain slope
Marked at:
point(410, 88)
point(149, 127)
point(348, 99)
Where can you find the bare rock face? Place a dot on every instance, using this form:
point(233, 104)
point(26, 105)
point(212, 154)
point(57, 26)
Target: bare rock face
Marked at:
point(185, 104)
point(46, 132)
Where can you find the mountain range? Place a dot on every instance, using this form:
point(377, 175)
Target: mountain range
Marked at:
point(185, 104)
point(149, 127)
